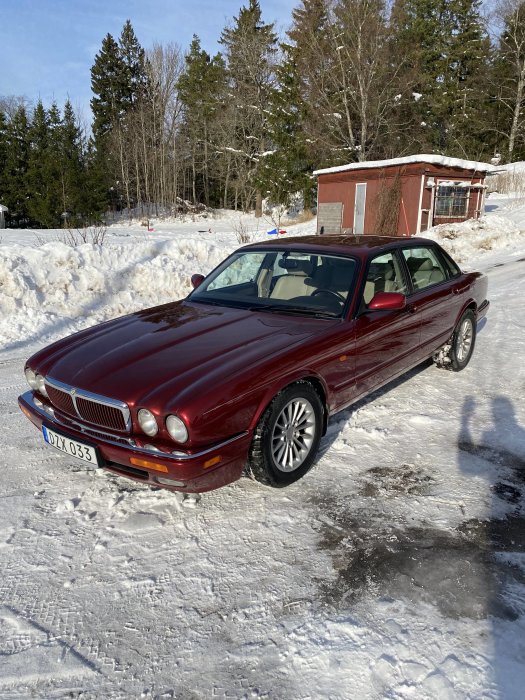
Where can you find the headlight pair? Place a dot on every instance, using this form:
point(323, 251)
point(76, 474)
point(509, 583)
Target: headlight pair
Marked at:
point(174, 425)
point(36, 381)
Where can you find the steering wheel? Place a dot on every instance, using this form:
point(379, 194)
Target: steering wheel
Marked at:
point(338, 296)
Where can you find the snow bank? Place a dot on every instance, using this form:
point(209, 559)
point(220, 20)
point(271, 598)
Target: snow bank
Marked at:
point(472, 239)
point(41, 287)
point(50, 290)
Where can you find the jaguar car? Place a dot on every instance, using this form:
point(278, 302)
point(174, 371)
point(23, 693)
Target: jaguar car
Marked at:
point(243, 375)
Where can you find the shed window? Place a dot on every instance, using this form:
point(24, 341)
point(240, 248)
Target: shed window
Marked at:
point(451, 201)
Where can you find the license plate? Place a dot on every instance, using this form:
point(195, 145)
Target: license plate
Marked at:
point(71, 447)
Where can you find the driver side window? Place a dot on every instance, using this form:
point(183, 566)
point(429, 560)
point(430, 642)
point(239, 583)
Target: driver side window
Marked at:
point(384, 275)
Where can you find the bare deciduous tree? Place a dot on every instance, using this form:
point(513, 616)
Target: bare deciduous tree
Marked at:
point(509, 73)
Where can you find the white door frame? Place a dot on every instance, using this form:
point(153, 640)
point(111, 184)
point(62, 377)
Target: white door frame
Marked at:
point(357, 186)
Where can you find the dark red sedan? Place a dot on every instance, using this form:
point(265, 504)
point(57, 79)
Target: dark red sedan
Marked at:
point(245, 372)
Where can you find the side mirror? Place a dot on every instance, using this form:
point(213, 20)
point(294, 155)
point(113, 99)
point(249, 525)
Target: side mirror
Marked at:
point(387, 301)
point(196, 280)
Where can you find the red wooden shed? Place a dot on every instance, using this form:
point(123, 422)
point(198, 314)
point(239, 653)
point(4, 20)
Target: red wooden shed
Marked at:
point(401, 196)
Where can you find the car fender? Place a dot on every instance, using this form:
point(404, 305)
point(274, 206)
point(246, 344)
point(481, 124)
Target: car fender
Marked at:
point(474, 291)
point(276, 387)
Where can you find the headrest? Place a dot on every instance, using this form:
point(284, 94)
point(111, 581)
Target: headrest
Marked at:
point(417, 264)
point(390, 272)
point(426, 265)
point(341, 276)
point(296, 267)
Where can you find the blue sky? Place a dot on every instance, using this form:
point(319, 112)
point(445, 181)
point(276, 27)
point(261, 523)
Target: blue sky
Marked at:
point(47, 47)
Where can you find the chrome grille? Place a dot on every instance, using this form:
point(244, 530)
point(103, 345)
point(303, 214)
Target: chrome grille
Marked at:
point(91, 408)
point(61, 400)
point(101, 414)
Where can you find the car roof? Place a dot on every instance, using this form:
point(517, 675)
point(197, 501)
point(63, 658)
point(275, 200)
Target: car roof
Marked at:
point(347, 245)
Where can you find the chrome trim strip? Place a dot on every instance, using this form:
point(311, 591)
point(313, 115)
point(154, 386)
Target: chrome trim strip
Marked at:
point(28, 398)
point(89, 431)
point(95, 398)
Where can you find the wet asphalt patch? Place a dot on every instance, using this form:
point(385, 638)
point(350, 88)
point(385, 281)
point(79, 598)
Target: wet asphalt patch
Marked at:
point(391, 481)
point(464, 572)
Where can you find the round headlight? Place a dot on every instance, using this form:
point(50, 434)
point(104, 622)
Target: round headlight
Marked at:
point(176, 429)
point(40, 385)
point(147, 422)
point(31, 378)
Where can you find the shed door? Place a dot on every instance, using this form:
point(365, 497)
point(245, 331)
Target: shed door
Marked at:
point(330, 217)
point(359, 210)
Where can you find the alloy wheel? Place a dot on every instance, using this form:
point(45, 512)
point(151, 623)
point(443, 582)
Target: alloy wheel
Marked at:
point(464, 340)
point(293, 434)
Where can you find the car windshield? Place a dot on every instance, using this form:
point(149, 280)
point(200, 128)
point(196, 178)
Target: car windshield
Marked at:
point(286, 281)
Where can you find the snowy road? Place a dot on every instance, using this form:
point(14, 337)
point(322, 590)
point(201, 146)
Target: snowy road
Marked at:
point(395, 569)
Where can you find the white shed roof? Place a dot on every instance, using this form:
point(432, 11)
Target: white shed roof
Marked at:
point(420, 158)
point(2, 208)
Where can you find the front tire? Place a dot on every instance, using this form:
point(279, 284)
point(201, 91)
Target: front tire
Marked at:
point(287, 437)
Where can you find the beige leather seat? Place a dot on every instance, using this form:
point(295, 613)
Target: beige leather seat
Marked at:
point(370, 290)
point(295, 282)
point(391, 283)
point(420, 271)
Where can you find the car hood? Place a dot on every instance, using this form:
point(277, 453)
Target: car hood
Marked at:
point(152, 355)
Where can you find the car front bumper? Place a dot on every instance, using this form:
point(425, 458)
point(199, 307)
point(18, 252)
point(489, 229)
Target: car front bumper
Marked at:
point(190, 472)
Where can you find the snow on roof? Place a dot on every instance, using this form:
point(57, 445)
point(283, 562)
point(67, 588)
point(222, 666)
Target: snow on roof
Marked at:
point(517, 167)
point(420, 158)
point(459, 183)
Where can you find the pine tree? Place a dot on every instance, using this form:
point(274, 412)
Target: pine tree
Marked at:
point(13, 183)
point(119, 82)
point(42, 172)
point(96, 195)
point(447, 51)
point(201, 89)
point(250, 47)
point(133, 59)
point(287, 168)
point(308, 56)
point(3, 148)
point(71, 168)
point(109, 76)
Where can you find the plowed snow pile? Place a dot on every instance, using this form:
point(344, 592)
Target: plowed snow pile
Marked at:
point(53, 289)
point(87, 284)
point(471, 239)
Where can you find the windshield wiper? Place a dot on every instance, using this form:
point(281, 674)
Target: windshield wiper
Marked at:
point(289, 309)
point(219, 302)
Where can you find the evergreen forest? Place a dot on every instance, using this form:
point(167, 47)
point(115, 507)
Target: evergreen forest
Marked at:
point(350, 80)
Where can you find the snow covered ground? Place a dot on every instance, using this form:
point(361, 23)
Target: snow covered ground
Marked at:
point(394, 569)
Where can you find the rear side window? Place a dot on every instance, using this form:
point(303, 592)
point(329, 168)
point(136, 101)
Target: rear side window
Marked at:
point(424, 267)
point(451, 267)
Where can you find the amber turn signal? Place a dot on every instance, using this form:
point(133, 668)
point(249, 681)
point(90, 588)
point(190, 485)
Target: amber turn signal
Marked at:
point(212, 461)
point(25, 411)
point(148, 465)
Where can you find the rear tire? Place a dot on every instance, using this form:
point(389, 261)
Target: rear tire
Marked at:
point(461, 346)
point(287, 437)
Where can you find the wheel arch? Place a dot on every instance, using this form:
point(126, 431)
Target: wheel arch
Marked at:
point(469, 305)
point(314, 380)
